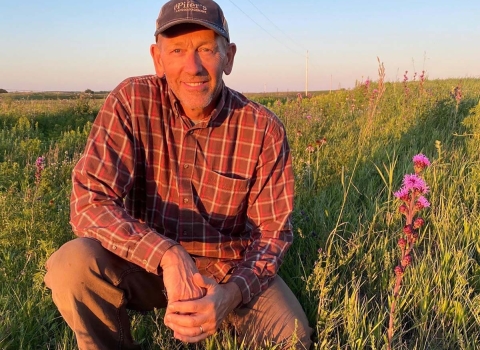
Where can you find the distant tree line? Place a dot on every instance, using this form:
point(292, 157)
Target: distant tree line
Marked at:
point(3, 91)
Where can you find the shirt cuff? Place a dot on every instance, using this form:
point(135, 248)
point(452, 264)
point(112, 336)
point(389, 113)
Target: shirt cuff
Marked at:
point(150, 250)
point(248, 283)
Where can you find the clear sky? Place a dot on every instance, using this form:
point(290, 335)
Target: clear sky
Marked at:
point(75, 45)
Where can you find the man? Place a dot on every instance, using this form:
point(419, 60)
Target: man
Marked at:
point(182, 199)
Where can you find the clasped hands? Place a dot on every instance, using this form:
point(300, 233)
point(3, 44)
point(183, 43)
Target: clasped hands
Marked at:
point(197, 305)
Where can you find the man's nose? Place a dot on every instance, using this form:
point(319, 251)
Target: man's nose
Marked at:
point(193, 63)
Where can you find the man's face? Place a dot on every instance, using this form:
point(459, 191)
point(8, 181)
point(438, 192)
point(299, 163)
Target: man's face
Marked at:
point(193, 59)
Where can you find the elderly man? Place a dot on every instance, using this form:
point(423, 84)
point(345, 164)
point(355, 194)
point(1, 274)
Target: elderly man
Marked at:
point(181, 200)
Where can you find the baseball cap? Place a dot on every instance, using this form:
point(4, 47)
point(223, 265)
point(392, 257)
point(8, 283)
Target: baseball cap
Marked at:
point(203, 12)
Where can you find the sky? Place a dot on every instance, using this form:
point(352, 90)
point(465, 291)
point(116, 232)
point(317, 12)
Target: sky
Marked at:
point(63, 45)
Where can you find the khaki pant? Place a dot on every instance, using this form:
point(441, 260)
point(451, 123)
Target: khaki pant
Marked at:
point(93, 289)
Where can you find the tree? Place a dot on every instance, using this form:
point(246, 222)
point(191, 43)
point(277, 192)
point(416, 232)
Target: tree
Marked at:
point(3, 91)
point(88, 91)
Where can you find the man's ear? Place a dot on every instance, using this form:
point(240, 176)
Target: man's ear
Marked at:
point(157, 62)
point(231, 51)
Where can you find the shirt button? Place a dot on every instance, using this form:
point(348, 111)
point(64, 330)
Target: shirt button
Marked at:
point(185, 232)
point(185, 200)
point(185, 166)
point(114, 247)
point(145, 262)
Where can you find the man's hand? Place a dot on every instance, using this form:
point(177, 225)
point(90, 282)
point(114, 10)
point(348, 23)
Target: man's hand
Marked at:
point(178, 270)
point(195, 320)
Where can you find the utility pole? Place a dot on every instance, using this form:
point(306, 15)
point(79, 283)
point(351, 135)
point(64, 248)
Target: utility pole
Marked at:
point(306, 76)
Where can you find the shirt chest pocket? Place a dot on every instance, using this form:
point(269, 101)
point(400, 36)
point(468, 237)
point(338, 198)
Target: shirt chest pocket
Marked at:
point(222, 196)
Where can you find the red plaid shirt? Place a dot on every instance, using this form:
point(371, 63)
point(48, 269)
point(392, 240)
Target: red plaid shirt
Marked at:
point(223, 188)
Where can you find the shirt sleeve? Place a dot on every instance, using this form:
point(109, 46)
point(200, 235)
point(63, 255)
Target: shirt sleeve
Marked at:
point(101, 180)
point(269, 215)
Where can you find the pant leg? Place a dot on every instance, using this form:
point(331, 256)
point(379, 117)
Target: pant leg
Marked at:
point(93, 288)
point(276, 315)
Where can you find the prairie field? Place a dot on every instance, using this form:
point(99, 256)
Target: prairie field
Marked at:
point(351, 149)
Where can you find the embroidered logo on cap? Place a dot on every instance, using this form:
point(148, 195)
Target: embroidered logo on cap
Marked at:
point(189, 6)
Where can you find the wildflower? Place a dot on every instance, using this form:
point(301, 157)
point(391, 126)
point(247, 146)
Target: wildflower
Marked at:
point(310, 149)
point(457, 94)
point(40, 162)
point(40, 166)
point(403, 209)
point(299, 133)
point(407, 259)
point(411, 194)
point(408, 230)
point(421, 203)
point(420, 162)
point(308, 117)
point(321, 142)
point(403, 194)
point(398, 270)
point(415, 183)
point(418, 222)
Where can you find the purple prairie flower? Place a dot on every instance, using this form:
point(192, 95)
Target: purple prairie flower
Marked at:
point(408, 229)
point(420, 162)
point(308, 117)
point(403, 209)
point(421, 203)
point(40, 166)
point(40, 162)
point(310, 148)
point(407, 260)
point(403, 194)
point(415, 183)
point(419, 222)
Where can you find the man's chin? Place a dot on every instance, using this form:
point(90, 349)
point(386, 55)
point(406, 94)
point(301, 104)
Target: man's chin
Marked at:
point(195, 103)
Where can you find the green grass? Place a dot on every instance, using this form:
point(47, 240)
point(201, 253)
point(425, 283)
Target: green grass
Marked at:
point(346, 219)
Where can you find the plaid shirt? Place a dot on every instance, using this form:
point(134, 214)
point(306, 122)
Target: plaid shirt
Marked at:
point(222, 188)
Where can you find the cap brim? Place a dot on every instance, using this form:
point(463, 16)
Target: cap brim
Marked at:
point(192, 21)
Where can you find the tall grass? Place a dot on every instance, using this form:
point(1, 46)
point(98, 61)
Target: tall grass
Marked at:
point(350, 151)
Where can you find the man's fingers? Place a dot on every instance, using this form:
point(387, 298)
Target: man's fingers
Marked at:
point(192, 339)
point(189, 328)
point(190, 309)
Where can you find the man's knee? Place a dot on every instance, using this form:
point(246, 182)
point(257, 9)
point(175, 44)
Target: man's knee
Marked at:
point(275, 315)
point(70, 262)
point(296, 328)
